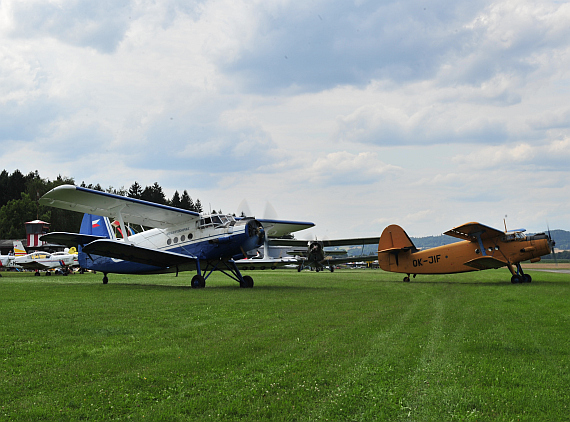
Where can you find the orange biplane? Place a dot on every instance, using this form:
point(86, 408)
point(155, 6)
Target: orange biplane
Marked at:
point(483, 248)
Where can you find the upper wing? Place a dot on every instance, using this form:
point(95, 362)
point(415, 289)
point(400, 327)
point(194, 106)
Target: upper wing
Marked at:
point(129, 252)
point(280, 228)
point(132, 210)
point(326, 243)
point(469, 231)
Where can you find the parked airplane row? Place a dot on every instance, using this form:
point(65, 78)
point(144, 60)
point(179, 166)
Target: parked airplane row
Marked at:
point(37, 260)
point(180, 240)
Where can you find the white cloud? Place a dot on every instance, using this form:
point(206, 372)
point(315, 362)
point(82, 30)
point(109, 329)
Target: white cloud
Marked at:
point(425, 114)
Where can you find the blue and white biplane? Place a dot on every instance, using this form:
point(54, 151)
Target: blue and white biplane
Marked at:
point(173, 240)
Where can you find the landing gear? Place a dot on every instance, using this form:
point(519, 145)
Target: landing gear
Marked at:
point(407, 279)
point(105, 278)
point(247, 282)
point(198, 282)
point(519, 276)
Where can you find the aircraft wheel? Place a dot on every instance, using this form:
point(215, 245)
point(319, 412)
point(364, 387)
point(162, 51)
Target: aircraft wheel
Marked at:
point(105, 279)
point(331, 268)
point(299, 269)
point(526, 278)
point(515, 279)
point(273, 267)
point(48, 273)
point(406, 279)
point(37, 273)
point(198, 282)
point(247, 282)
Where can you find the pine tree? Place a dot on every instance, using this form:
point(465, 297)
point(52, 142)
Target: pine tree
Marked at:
point(135, 191)
point(176, 200)
point(186, 202)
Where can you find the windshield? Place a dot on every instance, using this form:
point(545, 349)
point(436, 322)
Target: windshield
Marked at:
point(215, 220)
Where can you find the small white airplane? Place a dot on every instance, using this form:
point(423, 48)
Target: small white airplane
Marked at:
point(5, 260)
point(42, 261)
point(178, 239)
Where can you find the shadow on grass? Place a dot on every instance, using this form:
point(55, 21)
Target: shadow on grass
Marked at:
point(220, 287)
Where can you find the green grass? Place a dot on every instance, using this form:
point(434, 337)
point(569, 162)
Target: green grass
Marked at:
point(355, 345)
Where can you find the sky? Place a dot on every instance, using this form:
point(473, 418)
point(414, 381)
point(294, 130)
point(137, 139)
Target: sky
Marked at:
point(350, 114)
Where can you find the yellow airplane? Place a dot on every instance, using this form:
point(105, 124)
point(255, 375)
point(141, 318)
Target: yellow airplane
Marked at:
point(483, 248)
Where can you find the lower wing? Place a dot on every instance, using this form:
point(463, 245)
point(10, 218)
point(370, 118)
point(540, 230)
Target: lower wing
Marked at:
point(485, 263)
point(129, 252)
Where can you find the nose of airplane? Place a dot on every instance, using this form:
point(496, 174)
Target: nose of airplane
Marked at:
point(255, 230)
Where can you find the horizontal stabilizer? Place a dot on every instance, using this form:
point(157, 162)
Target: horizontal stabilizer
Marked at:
point(69, 239)
point(485, 263)
point(395, 249)
point(128, 252)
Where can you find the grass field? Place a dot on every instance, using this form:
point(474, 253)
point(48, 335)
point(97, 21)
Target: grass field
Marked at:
point(354, 345)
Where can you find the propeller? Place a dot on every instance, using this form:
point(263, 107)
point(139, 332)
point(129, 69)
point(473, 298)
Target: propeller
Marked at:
point(551, 244)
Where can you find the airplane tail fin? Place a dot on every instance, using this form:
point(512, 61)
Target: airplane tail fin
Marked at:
point(97, 226)
point(19, 249)
point(395, 238)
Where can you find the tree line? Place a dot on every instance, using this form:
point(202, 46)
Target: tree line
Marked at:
point(19, 194)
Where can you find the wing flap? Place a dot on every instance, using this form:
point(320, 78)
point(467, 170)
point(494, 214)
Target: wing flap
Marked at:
point(128, 252)
point(485, 263)
point(132, 210)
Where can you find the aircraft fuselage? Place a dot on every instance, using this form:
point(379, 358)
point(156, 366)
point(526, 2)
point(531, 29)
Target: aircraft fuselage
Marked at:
point(452, 258)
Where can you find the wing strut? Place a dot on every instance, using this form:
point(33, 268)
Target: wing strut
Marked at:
point(481, 247)
point(122, 224)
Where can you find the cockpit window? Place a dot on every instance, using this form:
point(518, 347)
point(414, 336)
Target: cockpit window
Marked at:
point(217, 220)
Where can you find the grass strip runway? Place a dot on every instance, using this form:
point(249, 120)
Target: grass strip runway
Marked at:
point(353, 345)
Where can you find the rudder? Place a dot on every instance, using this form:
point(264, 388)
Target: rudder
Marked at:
point(394, 237)
point(97, 226)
